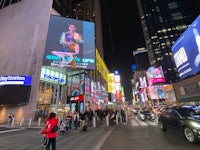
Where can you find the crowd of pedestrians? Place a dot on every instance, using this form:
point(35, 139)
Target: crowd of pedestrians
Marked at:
point(75, 120)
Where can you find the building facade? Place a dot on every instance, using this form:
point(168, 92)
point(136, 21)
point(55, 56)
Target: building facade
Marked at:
point(28, 27)
point(163, 21)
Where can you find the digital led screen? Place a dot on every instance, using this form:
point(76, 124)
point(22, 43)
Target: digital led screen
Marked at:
point(155, 75)
point(67, 40)
point(186, 50)
point(162, 92)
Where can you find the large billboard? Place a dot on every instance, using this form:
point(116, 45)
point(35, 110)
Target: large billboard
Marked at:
point(186, 50)
point(67, 40)
point(155, 75)
point(165, 91)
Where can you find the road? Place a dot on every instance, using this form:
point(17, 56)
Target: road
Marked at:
point(137, 135)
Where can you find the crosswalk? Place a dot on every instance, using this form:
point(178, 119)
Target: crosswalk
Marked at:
point(135, 122)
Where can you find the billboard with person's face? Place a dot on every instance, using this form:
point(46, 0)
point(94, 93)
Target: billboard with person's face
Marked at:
point(155, 75)
point(186, 50)
point(67, 40)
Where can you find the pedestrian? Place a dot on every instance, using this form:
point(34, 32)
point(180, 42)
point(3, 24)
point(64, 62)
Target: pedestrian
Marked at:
point(82, 118)
point(69, 121)
point(10, 118)
point(76, 119)
point(51, 136)
point(62, 127)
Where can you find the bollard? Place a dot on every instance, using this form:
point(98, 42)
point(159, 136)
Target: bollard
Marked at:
point(107, 121)
point(29, 123)
point(39, 121)
point(21, 121)
point(94, 122)
point(13, 122)
point(117, 120)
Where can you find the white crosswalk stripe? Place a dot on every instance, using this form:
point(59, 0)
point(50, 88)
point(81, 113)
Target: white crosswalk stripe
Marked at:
point(135, 122)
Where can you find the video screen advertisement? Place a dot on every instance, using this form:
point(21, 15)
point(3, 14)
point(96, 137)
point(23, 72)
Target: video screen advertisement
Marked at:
point(155, 75)
point(67, 40)
point(186, 50)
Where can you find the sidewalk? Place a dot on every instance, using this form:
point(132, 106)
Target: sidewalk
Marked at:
point(7, 127)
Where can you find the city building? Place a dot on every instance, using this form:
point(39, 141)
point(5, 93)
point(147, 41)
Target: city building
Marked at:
point(141, 54)
point(163, 21)
point(30, 62)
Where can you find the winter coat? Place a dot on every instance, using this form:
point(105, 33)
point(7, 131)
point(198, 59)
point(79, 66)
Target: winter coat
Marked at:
point(48, 127)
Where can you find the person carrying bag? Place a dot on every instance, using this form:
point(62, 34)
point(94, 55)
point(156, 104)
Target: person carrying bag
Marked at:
point(49, 133)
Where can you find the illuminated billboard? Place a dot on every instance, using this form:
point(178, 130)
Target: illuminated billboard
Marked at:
point(67, 40)
point(165, 91)
point(186, 50)
point(155, 75)
point(15, 89)
point(111, 82)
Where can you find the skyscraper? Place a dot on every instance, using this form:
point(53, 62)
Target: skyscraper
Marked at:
point(163, 21)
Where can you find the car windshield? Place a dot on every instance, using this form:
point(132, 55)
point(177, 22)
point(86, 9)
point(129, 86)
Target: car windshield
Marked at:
point(186, 112)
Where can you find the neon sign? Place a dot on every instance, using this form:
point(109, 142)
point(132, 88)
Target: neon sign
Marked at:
point(15, 80)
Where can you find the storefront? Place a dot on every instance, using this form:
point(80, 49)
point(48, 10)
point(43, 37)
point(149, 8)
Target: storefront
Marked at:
point(51, 93)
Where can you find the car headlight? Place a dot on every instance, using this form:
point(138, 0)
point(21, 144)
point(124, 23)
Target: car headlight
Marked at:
point(141, 115)
point(195, 124)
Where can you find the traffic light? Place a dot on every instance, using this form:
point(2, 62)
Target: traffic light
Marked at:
point(73, 64)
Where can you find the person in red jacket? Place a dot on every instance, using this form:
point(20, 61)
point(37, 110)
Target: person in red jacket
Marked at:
point(52, 121)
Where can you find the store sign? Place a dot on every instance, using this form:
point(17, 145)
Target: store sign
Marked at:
point(46, 76)
point(16, 80)
point(52, 76)
point(78, 98)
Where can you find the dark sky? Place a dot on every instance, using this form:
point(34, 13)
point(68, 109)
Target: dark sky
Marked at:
point(122, 28)
point(123, 33)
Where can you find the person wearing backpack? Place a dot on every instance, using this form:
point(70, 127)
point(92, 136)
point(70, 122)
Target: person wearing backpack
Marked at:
point(51, 136)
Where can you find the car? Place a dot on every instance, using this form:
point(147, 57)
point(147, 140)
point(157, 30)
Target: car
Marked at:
point(182, 119)
point(141, 115)
point(145, 114)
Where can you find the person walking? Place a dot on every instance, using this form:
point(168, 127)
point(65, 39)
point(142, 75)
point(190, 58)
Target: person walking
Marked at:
point(82, 117)
point(51, 136)
point(76, 119)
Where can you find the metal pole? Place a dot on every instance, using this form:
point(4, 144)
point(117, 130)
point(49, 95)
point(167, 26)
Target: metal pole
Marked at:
point(57, 96)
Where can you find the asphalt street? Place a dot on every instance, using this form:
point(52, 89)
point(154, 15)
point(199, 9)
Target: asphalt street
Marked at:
point(136, 135)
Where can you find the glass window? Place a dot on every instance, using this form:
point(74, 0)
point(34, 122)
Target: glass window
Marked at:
point(172, 5)
point(177, 16)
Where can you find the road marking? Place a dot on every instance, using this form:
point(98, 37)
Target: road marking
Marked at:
point(98, 146)
point(134, 123)
point(10, 130)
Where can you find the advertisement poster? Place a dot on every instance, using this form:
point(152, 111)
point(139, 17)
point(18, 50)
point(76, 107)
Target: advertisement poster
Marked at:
point(155, 75)
point(67, 40)
point(186, 50)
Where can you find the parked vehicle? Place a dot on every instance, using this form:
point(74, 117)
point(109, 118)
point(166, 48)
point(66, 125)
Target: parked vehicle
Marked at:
point(181, 119)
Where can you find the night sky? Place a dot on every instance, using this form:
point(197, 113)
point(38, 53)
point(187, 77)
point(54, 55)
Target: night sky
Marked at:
point(123, 33)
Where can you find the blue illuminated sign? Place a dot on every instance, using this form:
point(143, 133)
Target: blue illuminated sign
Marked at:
point(16, 80)
point(186, 50)
point(116, 72)
point(53, 78)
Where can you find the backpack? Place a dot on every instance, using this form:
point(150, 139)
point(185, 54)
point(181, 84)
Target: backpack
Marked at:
point(54, 129)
